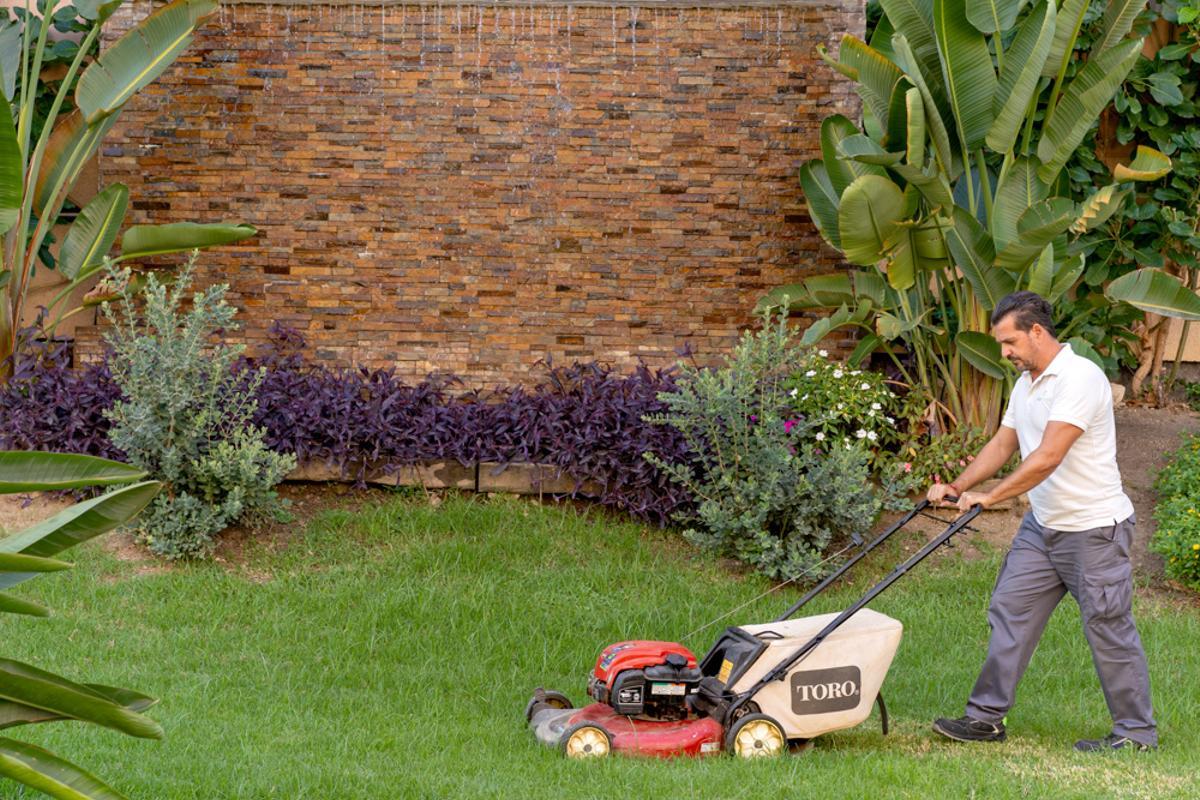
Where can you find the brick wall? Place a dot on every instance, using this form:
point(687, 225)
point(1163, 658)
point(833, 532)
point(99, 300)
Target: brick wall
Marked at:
point(474, 187)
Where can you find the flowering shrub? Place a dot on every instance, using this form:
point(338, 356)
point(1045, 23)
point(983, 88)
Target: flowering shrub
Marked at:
point(1177, 537)
point(768, 493)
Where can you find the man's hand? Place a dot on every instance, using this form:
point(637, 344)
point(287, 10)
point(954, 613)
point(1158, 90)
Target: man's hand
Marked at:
point(968, 499)
point(939, 491)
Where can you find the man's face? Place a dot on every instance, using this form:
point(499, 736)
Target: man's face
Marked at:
point(1017, 346)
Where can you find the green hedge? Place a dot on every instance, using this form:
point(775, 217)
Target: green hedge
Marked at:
point(1178, 514)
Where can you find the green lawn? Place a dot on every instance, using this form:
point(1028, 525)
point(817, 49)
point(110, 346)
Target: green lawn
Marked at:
point(390, 653)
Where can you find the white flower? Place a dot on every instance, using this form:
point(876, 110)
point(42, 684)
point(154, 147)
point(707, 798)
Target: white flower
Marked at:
point(823, 353)
point(794, 392)
point(871, 413)
point(810, 373)
point(820, 436)
point(857, 372)
point(872, 435)
point(860, 433)
point(848, 447)
point(839, 405)
point(802, 399)
point(890, 420)
point(865, 386)
point(837, 373)
point(876, 406)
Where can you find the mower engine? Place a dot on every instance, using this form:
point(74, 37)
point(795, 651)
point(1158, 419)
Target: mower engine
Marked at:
point(646, 679)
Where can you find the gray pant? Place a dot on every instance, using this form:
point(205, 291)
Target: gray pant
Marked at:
point(1042, 566)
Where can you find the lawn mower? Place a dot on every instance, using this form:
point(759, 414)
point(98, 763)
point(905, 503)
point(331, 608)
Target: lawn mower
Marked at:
point(759, 690)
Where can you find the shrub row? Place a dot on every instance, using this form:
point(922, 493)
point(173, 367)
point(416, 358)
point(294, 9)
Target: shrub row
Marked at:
point(1177, 513)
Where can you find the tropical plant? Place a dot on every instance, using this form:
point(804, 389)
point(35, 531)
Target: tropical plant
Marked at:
point(951, 192)
point(37, 173)
point(29, 695)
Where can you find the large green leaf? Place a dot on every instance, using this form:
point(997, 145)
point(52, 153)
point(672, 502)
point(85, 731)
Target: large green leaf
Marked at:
point(1100, 205)
point(823, 200)
point(15, 605)
point(993, 16)
point(872, 208)
point(141, 241)
point(93, 232)
point(866, 150)
point(1041, 274)
point(138, 57)
point(15, 714)
point(30, 471)
point(931, 184)
point(1148, 165)
point(19, 562)
point(1019, 77)
point(71, 145)
point(10, 58)
point(914, 119)
point(1117, 21)
point(903, 260)
point(936, 126)
point(40, 769)
point(1066, 29)
point(1036, 228)
point(866, 345)
point(12, 169)
point(1081, 103)
point(841, 318)
point(973, 251)
point(967, 69)
point(1082, 347)
point(841, 172)
point(1019, 190)
point(878, 78)
point(76, 524)
point(1157, 292)
point(1065, 275)
point(913, 21)
point(30, 686)
point(982, 352)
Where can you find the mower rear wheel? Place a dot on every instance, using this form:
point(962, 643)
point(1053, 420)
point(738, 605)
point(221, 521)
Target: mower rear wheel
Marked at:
point(756, 736)
point(585, 740)
point(545, 698)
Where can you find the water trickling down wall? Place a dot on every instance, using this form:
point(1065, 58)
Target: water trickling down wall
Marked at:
point(474, 187)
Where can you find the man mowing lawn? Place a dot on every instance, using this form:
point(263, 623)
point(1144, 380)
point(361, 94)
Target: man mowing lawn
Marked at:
point(1076, 538)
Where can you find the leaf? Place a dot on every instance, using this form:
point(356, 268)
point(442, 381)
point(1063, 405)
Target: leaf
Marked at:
point(1117, 22)
point(967, 69)
point(1100, 205)
point(1037, 227)
point(993, 16)
point(932, 186)
point(1157, 292)
point(878, 78)
point(15, 714)
point(819, 291)
point(76, 524)
point(1081, 103)
point(10, 59)
point(866, 150)
point(1164, 87)
point(902, 261)
point(823, 200)
point(841, 173)
point(12, 170)
point(1019, 190)
point(838, 319)
point(907, 61)
point(141, 241)
point(19, 562)
point(138, 57)
point(973, 253)
point(867, 345)
point(982, 352)
point(1019, 78)
point(1066, 29)
point(71, 145)
point(28, 471)
point(1148, 165)
point(93, 232)
point(871, 209)
point(891, 327)
point(28, 685)
point(1041, 274)
point(915, 126)
point(15, 605)
point(1082, 347)
point(1065, 276)
point(40, 769)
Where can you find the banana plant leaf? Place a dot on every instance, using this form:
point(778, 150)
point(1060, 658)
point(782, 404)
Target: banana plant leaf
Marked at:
point(1041, 274)
point(40, 769)
point(841, 318)
point(1117, 21)
point(10, 60)
point(1020, 75)
point(93, 232)
point(1020, 190)
point(30, 686)
point(1066, 29)
point(931, 184)
point(1148, 165)
point(1065, 275)
point(982, 352)
point(72, 143)
point(973, 251)
point(1099, 207)
point(1082, 347)
point(841, 172)
point(907, 61)
point(1157, 292)
point(76, 524)
point(15, 605)
point(967, 70)
point(867, 345)
point(13, 715)
point(877, 77)
point(870, 213)
point(138, 57)
point(823, 201)
point(19, 562)
point(29, 471)
point(141, 241)
point(993, 16)
point(914, 119)
point(866, 150)
point(12, 169)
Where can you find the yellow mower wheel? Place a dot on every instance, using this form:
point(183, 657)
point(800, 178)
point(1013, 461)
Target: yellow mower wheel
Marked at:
point(585, 740)
point(756, 736)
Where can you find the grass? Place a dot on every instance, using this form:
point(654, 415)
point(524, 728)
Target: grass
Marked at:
point(389, 653)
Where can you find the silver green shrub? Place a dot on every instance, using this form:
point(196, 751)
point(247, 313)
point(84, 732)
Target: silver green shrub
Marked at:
point(185, 414)
point(768, 492)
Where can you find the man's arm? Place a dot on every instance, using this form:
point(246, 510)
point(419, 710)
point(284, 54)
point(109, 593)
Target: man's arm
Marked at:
point(988, 461)
point(1056, 441)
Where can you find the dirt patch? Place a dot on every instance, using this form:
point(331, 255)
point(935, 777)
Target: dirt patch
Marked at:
point(18, 512)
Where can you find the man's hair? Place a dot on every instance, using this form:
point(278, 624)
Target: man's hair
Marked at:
point(1027, 309)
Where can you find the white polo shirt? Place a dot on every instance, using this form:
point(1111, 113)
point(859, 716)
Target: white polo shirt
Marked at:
point(1085, 490)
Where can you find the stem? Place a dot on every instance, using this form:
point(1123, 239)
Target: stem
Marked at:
point(985, 186)
point(1183, 334)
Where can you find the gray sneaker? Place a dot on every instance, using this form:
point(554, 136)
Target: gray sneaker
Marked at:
point(969, 729)
point(1111, 742)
